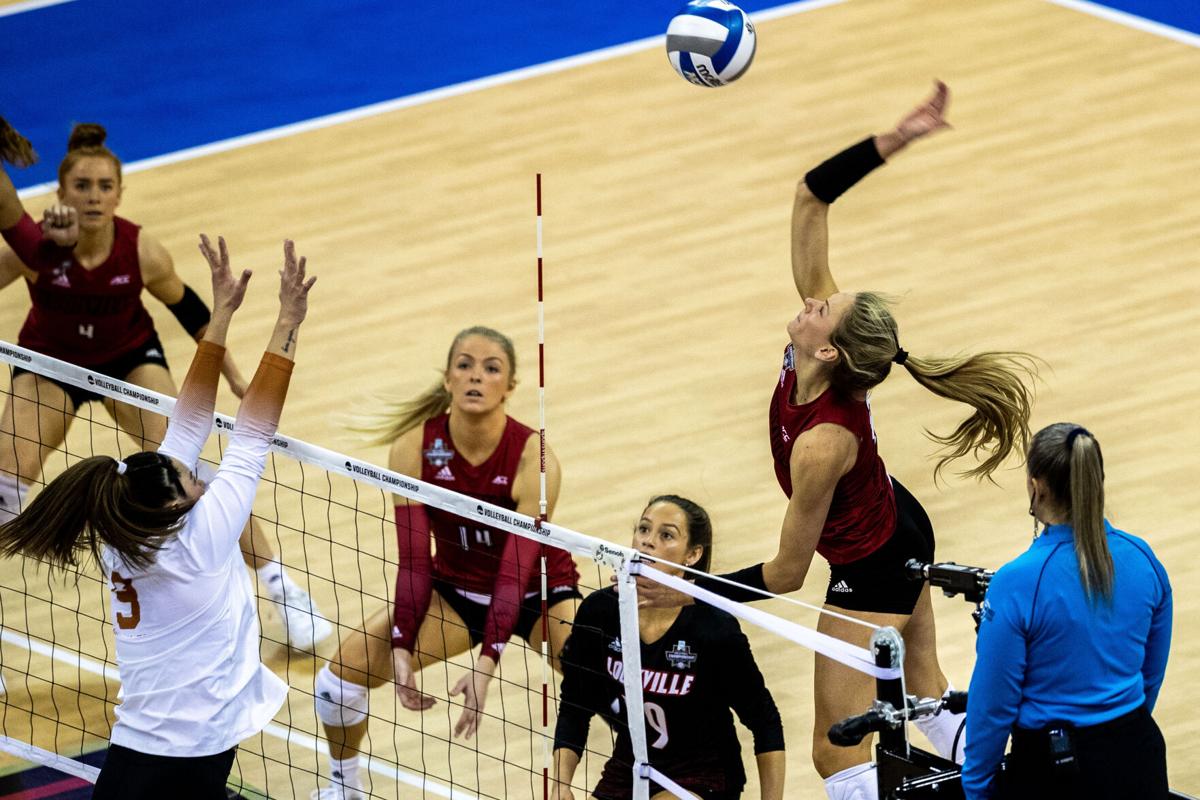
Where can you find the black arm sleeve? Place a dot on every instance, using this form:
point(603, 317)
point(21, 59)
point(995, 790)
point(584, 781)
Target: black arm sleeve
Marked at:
point(830, 179)
point(191, 312)
point(749, 696)
point(583, 680)
point(749, 577)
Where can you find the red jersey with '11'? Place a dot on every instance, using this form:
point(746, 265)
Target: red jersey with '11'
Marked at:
point(862, 514)
point(84, 316)
point(468, 554)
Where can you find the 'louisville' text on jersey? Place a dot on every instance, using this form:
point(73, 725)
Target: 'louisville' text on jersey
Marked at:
point(653, 680)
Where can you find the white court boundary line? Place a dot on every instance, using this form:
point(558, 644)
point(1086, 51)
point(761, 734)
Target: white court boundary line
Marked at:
point(88, 773)
point(30, 5)
point(1131, 21)
point(421, 98)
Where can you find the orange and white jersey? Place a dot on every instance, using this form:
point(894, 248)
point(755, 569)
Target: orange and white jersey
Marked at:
point(186, 628)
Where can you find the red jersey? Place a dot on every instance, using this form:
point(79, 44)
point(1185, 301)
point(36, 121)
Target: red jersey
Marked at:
point(862, 514)
point(84, 316)
point(468, 555)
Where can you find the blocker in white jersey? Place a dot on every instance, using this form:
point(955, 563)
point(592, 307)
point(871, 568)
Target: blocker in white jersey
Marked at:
point(192, 685)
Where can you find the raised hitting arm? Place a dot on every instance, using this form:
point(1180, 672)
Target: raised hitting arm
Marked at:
point(834, 176)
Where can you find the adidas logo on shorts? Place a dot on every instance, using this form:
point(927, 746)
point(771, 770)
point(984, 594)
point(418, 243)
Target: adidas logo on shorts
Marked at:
point(841, 586)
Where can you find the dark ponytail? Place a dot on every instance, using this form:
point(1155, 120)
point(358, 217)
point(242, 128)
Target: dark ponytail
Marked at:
point(93, 504)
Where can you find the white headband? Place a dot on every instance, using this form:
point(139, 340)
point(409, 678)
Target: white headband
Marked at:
point(121, 467)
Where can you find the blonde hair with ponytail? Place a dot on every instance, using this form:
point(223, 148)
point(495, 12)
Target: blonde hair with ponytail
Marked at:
point(401, 416)
point(992, 383)
point(1067, 459)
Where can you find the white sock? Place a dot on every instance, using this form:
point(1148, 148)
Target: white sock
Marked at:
point(345, 772)
point(854, 783)
point(12, 497)
point(941, 729)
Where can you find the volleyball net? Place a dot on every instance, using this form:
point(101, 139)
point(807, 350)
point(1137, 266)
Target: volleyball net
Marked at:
point(328, 517)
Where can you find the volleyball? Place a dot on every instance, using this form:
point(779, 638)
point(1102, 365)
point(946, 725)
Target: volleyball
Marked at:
point(711, 42)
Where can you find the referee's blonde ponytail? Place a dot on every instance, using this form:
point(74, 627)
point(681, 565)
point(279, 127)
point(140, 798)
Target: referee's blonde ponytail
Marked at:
point(1067, 459)
point(992, 383)
point(401, 416)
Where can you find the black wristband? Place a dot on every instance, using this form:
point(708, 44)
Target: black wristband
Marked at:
point(749, 578)
point(830, 179)
point(191, 312)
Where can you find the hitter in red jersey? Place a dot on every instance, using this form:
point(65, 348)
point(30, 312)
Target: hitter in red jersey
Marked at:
point(86, 268)
point(840, 500)
point(482, 585)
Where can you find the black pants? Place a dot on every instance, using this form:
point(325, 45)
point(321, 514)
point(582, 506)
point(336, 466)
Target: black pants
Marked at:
point(130, 775)
point(1118, 760)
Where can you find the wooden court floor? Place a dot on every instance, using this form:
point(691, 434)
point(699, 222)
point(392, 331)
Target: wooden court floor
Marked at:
point(1059, 217)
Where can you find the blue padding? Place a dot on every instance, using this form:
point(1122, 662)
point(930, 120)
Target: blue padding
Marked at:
point(165, 76)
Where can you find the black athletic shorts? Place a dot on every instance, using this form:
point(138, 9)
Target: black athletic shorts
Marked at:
point(474, 613)
point(1116, 760)
point(148, 352)
point(877, 582)
point(130, 775)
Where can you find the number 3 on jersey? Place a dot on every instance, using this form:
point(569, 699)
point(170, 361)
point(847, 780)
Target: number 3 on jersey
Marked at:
point(482, 536)
point(123, 591)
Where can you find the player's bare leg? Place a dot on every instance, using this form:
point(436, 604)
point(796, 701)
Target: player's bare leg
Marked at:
point(364, 662)
point(42, 412)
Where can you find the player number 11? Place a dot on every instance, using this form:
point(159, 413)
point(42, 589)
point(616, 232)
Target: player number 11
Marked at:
point(482, 536)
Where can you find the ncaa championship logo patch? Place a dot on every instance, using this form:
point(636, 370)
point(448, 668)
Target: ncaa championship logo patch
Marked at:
point(438, 454)
point(681, 656)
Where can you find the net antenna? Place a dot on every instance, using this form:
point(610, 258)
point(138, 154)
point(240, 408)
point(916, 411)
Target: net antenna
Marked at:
point(547, 735)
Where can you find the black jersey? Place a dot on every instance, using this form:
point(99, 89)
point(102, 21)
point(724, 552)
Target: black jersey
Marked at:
point(691, 677)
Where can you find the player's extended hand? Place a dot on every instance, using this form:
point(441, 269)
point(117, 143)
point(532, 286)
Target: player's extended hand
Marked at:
point(928, 117)
point(228, 292)
point(233, 376)
point(473, 687)
point(60, 224)
point(406, 685)
point(293, 285)
point(652, 594)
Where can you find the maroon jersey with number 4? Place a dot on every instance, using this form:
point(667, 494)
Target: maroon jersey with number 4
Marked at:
point(468, 554)
point(862, 515)
point(84, 316)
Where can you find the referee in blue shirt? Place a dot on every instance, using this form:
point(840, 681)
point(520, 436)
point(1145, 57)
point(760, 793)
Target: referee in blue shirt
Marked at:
point(1072, 646)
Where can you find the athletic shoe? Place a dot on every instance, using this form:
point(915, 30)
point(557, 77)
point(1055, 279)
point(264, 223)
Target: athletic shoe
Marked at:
point(302, 622)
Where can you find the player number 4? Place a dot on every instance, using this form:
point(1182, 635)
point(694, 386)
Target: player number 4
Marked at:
point(87, 330)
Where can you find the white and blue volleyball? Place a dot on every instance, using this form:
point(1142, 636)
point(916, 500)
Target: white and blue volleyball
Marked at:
point(711, 42)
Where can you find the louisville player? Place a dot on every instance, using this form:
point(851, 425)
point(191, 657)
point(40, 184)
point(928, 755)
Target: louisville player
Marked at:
point(481, 585)
point(183, 613)
point(86, 268)
point(696, 666)
point(841, 501)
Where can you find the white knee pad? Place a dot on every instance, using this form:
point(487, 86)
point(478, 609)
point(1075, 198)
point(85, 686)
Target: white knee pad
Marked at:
point(340, 703)
point(855, 783)
point(12, 497)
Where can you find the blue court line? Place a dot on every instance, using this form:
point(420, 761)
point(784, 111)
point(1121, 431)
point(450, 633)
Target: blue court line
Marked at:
point(165, 77)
